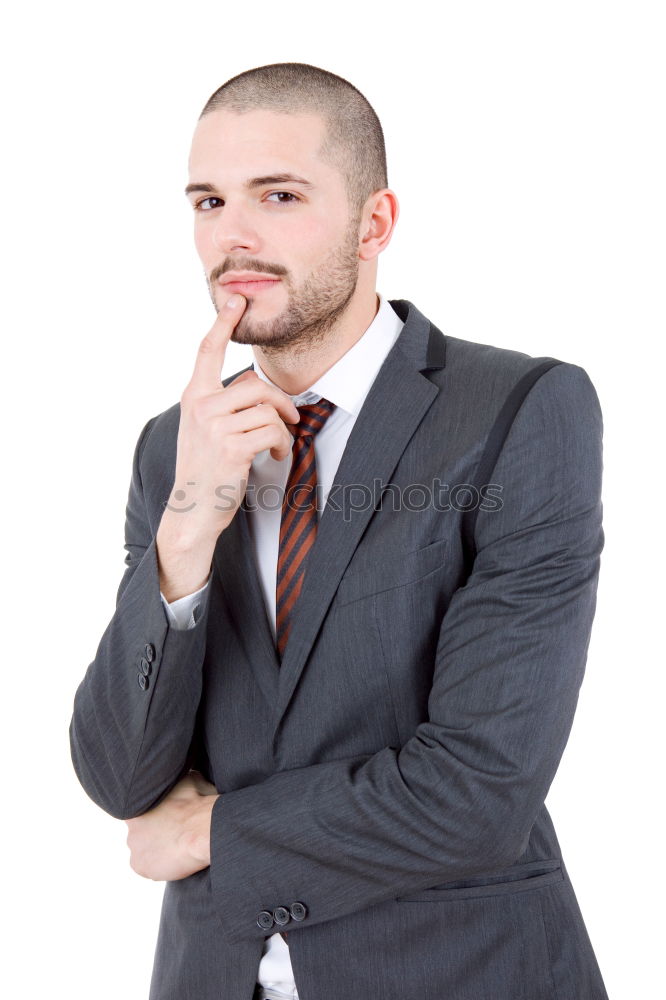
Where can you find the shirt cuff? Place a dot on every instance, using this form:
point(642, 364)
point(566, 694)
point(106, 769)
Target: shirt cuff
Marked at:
point(185, 612)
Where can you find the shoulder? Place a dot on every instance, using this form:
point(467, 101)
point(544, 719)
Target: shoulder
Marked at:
point(487, 375)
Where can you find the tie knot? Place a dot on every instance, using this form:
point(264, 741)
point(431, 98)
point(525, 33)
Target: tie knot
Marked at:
point(313, 418)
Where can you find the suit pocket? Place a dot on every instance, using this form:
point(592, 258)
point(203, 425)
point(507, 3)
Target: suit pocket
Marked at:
point(532, 875)
point(391, 570)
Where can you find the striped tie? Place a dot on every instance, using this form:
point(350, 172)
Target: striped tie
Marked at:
point(298, 525)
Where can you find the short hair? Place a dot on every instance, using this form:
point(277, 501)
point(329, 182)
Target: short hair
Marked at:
point(354, 140)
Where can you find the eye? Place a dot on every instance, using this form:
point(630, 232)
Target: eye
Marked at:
point(289, 195)
point(203, 205)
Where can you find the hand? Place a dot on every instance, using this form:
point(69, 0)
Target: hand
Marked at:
point(172, 840)
point(221, 430)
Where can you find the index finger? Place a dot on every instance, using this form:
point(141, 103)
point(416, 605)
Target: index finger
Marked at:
point(210, 357)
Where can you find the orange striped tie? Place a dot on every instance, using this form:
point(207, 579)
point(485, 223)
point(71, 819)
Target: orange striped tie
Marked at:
point(298, 525)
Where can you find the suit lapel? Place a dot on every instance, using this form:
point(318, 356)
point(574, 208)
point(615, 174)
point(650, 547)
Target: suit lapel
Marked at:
point(397, 401)
point(236, 567)
point(237, 570)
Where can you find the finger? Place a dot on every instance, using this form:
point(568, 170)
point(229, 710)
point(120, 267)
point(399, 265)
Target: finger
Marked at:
point(203, 786)
point(239, 395)
point(250, 419)
point(269, 437)
point(210, 357)
point(244, 377)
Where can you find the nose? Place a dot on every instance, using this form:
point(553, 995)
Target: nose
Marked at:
point(233, 231)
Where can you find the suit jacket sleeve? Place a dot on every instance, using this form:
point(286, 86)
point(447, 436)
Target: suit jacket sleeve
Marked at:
point(460, 797)
point(131, 743)
point(184, 612)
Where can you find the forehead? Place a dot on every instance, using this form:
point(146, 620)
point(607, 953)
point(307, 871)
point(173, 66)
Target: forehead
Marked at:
point(233, 144)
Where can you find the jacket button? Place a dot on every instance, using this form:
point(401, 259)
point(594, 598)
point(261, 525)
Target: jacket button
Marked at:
point(281, 915)
point(145, 667)
point(299, 911)
point(149, 652)
point(265, 920)
point(144, 683)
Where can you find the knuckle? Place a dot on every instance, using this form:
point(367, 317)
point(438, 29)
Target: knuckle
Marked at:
point(203, 408)
point(199, 407)
point(230, 398)
point(207, 345)
point(242, 395)
point(189, 397)
point(191, 409)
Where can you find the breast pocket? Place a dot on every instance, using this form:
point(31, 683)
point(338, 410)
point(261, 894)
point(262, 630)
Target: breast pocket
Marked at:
point(390, 570)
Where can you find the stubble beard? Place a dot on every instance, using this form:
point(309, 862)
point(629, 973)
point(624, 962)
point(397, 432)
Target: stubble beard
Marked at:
point(312, 311)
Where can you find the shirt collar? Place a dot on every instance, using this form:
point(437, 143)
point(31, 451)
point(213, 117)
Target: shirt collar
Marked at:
point(348, 381)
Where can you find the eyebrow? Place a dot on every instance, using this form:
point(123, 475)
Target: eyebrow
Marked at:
point(255, 182)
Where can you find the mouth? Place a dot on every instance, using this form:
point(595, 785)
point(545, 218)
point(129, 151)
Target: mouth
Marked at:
point(250, 287)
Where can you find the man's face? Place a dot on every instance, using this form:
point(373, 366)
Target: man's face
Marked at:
point(300, 237)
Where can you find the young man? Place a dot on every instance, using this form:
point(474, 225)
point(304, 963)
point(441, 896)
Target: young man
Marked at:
point(360, 584)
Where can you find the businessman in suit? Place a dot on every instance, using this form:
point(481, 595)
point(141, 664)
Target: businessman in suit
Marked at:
point(359, 588)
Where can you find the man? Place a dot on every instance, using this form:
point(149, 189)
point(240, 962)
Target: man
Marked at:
point(331, 719)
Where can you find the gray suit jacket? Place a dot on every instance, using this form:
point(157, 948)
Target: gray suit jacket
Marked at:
point(383, 790)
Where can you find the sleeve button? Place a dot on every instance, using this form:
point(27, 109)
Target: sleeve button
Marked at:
point(281, 915)
point(145, 667)
point(144, 683)
point(265, 920)
point(149, 652)
point(299, 911)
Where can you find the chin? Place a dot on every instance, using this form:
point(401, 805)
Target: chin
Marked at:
point(253, 333)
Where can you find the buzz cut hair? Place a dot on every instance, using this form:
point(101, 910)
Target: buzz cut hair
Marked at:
point(354, 140)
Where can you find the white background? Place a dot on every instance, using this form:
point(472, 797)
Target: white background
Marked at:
point(525, 143)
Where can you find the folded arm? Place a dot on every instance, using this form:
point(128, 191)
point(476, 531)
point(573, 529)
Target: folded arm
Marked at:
point(460, 797)
point(134, 712)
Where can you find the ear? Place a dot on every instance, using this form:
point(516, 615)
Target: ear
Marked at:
point(380, 214)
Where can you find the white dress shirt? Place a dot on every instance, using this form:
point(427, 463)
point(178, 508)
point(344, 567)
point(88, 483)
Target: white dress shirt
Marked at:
point(346, 383)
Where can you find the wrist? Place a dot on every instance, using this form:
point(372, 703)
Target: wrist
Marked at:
point(184, 564)
point(196, 834)
point(186, 532)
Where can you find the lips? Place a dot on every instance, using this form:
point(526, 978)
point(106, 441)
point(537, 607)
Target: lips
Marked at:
point(250, 285)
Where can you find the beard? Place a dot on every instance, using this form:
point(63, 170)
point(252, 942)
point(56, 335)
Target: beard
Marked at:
point(313, 308)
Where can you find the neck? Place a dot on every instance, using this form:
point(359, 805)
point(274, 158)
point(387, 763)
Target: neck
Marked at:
point(294, 371)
